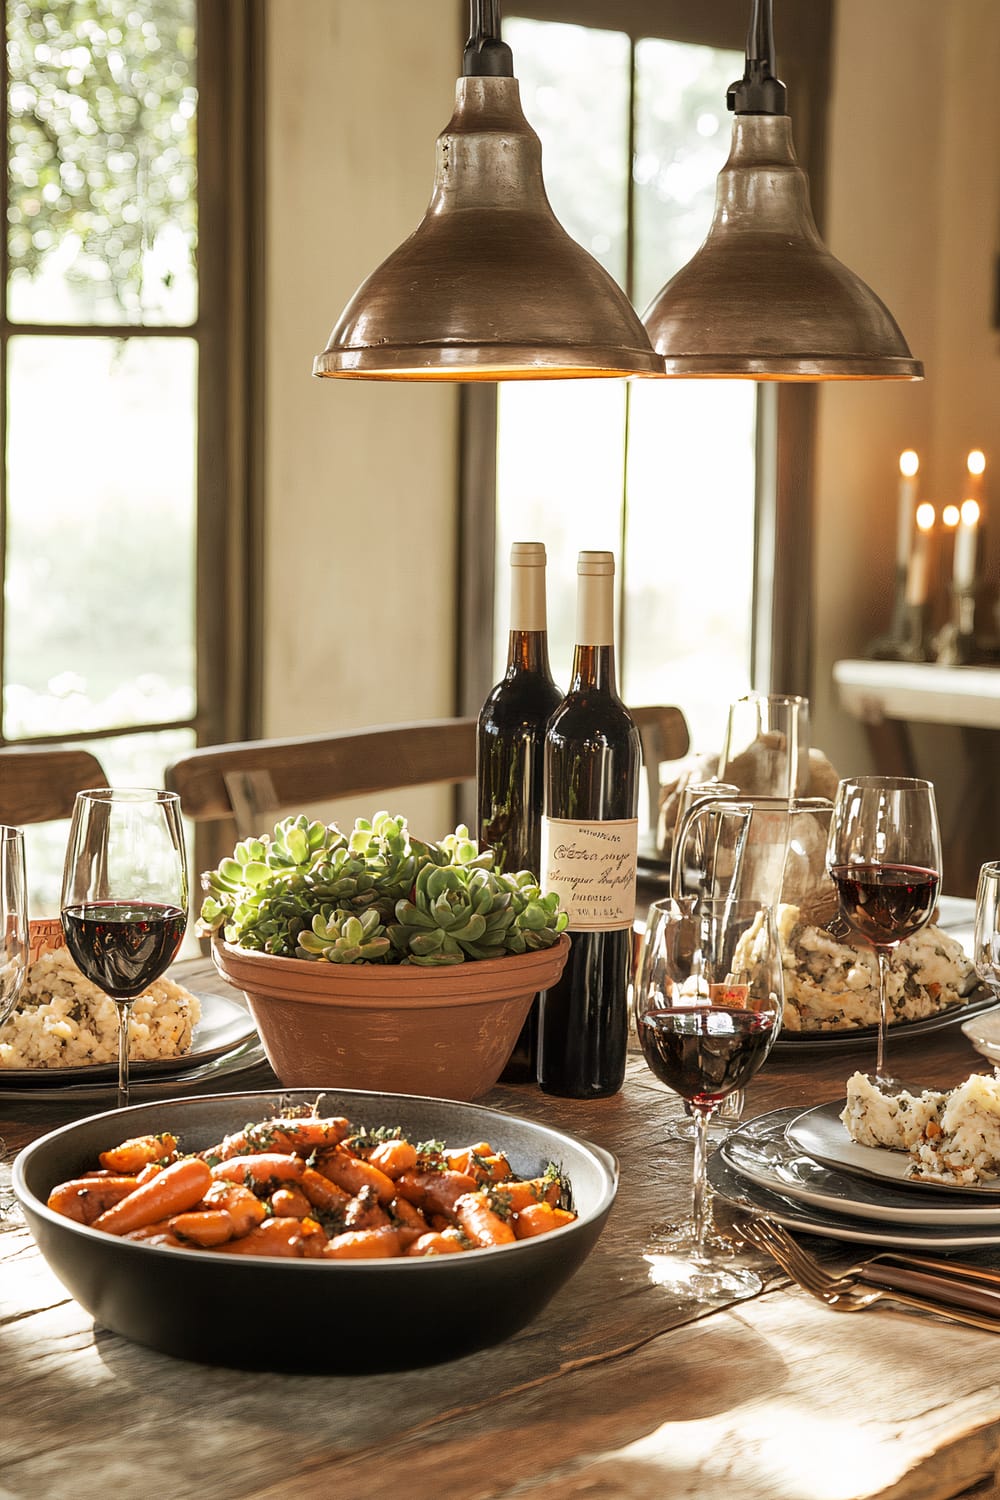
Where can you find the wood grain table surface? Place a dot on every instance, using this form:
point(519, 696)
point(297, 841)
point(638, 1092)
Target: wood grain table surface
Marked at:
point(614, 1391)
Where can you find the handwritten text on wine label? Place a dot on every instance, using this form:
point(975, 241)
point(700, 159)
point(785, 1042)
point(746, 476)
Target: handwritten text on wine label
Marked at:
point(592, 867)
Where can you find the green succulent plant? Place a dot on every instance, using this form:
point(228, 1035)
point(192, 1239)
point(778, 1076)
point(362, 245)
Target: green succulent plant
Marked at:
point(377, 895)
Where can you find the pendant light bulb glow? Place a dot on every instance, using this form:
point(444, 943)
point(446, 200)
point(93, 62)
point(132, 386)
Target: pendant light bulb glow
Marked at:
point(489, 286)
point(763, 298)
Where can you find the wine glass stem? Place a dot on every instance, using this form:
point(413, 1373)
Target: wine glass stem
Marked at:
point(124, 1013)
point(699, 1197)
point(883, 955)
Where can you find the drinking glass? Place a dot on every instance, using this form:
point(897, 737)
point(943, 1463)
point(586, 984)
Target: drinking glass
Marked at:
point(708, 1007)
point(884, 857)
point(766, 748)
point(986, 938)
point(125, 895)
point(13, 919)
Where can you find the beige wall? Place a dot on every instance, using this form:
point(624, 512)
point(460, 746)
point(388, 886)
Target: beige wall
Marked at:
point(914, 208)
point(361, 477)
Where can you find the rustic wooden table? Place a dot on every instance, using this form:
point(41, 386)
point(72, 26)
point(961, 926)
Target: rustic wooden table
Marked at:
point(615, 1391)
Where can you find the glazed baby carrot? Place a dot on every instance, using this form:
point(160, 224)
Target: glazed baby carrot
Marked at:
point(539, 1218)
point(176, 1188)
point(88, 1197)
point(268, 1169)
point(481, 1223)
point(446, 1243)
point(352, 1174)
point(244, 1207)
point(131, 1156)
point(435, 1192)
point(363, 1244)
point(518, 1194)
point(394, 1157)
point(292, 1239)
point(203, 1226)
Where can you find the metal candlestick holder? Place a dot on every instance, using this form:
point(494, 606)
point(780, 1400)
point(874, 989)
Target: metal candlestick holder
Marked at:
point(955, 644)
point(908, 636)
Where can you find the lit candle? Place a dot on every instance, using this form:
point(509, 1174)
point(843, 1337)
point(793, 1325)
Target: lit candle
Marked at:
point(909, 463)
point(976, 465)
point(918, 572)
point(965, 545)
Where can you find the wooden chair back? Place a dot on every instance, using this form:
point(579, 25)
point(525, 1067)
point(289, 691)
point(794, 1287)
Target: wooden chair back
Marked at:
point(258, 779)
point(665, 736)
point(40, 782)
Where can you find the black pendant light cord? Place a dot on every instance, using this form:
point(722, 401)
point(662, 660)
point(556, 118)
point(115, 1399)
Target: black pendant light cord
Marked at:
point(485, 54)
point(759, 92)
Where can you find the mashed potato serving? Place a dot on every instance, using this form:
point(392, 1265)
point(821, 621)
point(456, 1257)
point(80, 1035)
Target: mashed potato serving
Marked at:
point(832, 986)
point(64, 1021)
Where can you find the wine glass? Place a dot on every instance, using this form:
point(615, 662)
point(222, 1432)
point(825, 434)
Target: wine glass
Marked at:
point(125, 895)
point(766, 748)
point(14, 946)
point(986, 938)
point(884, 858)
point(708, 1007)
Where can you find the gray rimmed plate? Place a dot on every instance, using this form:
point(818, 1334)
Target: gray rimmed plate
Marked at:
point(820, 1133)
point(746, 1197)
point(761, 1152)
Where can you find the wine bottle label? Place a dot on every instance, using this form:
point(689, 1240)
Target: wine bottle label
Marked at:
point(591, 866)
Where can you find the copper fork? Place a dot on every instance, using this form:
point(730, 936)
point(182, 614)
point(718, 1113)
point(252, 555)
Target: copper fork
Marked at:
point(844, 1292)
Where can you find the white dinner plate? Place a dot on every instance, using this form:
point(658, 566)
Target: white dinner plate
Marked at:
point(746, 1197)
point(821, 1134)
point(761, 1152)
point(223, 1026)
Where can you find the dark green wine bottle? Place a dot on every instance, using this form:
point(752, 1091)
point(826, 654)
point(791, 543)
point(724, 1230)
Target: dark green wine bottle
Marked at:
point(590, 834)
point(510, 752)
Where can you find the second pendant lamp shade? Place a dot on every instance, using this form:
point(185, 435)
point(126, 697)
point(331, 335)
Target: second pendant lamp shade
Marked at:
point(489, 286)
point(764, 298)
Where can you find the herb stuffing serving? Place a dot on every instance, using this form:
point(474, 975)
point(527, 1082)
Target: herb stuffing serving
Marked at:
point(375, 896)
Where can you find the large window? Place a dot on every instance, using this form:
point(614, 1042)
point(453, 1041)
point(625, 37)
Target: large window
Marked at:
point(115, 330)
point(688, 482)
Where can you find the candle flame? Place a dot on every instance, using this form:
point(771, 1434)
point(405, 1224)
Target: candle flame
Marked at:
point(970, 512)
point(925, 516)
point(951, 515)
point(909, 463)
point(976, 461)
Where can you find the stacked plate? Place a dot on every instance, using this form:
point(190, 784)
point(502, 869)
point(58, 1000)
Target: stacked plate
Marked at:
point(803, 1170)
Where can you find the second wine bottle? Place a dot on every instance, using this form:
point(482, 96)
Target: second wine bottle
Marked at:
point(589, 843)
point(510, 752)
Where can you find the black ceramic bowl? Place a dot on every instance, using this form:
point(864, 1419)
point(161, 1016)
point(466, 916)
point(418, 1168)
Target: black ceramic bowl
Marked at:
point(303, 1315)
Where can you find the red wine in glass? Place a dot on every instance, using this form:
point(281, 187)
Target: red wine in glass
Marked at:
point(124, 896)
point(703, 1053)
point(886, 903)
point(884, 859)
point(122, 946)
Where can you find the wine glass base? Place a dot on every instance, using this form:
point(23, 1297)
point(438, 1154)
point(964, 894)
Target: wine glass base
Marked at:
point(886, 1084)
point(701, 1281)
point(672, 1239)
point(685, 1129)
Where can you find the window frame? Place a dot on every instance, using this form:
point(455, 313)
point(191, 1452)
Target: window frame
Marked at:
point(228, 332)
point(781, 628)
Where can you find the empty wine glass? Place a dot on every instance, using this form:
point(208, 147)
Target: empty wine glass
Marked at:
point(884, 857)
point(766, 748)
point(13, 919)
point(708, 1007)
point(986, 938)
point(125, 895)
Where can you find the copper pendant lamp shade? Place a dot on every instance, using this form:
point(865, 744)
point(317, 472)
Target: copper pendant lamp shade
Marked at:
point(489, 286)
point(764, 298)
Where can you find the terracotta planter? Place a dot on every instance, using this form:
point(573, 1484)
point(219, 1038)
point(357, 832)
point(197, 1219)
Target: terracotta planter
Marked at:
point(400, 1028)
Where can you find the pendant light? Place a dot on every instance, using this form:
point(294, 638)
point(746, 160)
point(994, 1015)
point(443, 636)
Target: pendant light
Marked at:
point(763, 298)
point(489, 286)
